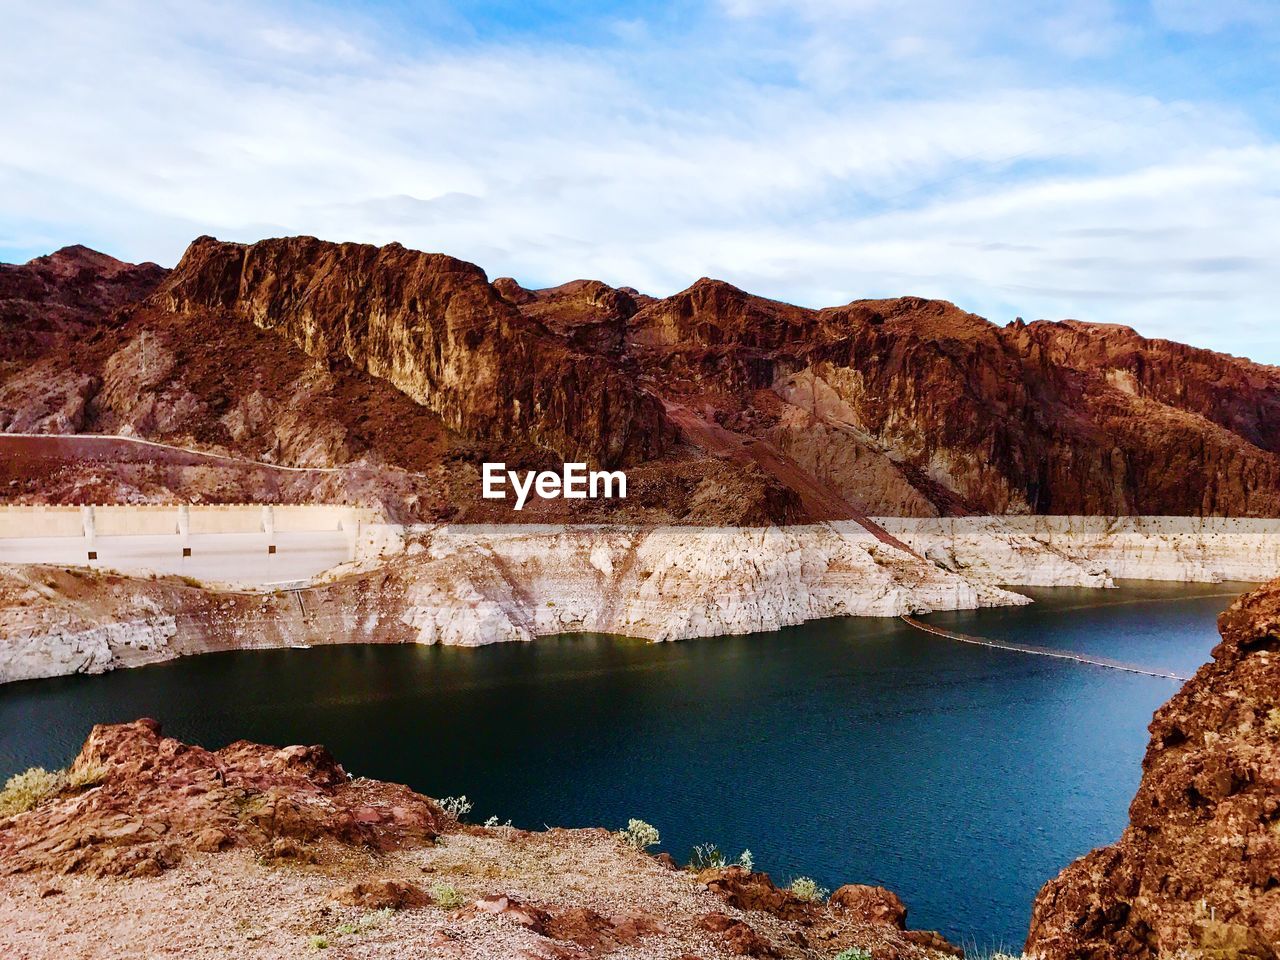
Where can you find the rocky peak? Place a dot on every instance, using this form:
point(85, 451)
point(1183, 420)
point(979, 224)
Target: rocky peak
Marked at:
point(589, 315)
point(715, 314)
point(67, 293)
point(435, 328)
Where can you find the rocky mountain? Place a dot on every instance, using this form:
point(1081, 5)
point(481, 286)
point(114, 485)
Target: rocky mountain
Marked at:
point(722, 406)
point(1197, 871)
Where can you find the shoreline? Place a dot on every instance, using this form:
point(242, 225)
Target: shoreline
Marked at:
point(474, 585)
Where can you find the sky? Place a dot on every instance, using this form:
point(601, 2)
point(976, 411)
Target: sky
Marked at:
point(1105, 161)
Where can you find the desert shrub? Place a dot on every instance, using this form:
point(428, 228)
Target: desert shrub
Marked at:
point(854, 953)
point(319, 943)
point(365, 923)
point(806, 889)
point(456, 807)
point(1272, 723)
point(446, 895)
point(24, 790)
point(706, 856)
point(639, 834)
point(88, 775)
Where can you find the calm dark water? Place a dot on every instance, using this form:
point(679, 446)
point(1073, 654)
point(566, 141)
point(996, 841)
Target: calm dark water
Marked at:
point(846, 750)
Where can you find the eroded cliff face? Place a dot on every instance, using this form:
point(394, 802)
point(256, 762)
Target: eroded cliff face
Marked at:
point(909, 398)
point(1093, 551)
point(469, 586)
point(901, 407)
point(474, 586)
point(435, 328)
point(1197, 871)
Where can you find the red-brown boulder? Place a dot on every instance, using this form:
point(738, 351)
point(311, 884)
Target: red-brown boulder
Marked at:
point(873, 904)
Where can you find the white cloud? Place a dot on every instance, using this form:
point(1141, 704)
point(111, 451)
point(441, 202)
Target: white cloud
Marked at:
point(128, 126)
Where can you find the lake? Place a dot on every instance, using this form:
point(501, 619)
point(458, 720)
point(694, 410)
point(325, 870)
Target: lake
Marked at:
point(851, 750)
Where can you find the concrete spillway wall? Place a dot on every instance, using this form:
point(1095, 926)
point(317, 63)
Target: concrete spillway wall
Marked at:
point(24, 521)
point(241, 544)
point(114, 520)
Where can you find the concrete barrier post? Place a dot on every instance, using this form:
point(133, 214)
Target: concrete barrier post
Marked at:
point(269, 526)
point(90, 532)
point(184, 528)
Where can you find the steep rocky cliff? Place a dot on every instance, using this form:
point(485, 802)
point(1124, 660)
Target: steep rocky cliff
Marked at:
point(1197, 871)
point(303, 352)
point(435, 328)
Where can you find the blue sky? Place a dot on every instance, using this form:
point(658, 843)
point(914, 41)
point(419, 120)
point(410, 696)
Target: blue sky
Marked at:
point(1115, 162)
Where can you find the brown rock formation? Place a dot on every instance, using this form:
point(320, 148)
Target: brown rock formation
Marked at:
point(70, 291)
point(1198, 868)
point(139, 801)
point(435, 328)
point(45, 305)
point(724, 407)
point(382, 895)
point(872, 903)
point(854, 914)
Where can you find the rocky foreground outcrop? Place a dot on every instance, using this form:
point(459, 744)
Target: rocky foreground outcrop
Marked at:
point(138, 802)
point(1197, 871)
point(723, 406)
point(147, 844)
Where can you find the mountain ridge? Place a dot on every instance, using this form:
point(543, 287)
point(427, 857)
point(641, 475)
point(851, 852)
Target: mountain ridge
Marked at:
point(901, 406)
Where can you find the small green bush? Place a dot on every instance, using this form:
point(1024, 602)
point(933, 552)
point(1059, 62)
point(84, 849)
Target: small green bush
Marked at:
point(806, 889)
point(24, 790)
point(854, 953)
point(89, 775)
point(639, 834)
point(446, 895)
point(706, 856)
point(365, 923)
point(319, 943)
point(456, 807)
point(1272, 723)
